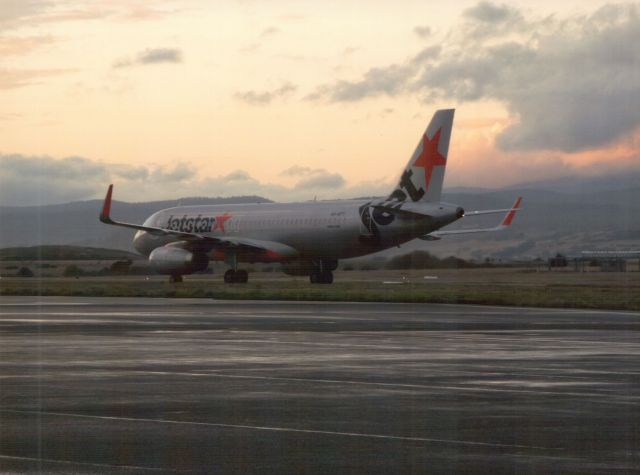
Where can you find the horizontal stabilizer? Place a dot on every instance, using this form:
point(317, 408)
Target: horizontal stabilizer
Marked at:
point(504, 224)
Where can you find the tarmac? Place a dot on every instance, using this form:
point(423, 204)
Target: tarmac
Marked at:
point(95, 385)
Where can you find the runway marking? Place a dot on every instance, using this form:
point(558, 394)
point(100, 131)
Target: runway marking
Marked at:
point(398, 385)
point(284, 429)
point(87, 464)
point(102, 314)
point(201, 318)
point(427, 343)
point(42, 304)
point(409, 307)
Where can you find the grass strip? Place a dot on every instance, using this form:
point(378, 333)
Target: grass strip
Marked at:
point(614, 297)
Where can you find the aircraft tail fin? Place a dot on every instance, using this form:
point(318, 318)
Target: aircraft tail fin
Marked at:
point(422, 178)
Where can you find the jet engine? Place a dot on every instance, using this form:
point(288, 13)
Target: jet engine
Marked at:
point(177, 261)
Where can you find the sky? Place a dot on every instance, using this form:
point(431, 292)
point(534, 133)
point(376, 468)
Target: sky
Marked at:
point(293, 100)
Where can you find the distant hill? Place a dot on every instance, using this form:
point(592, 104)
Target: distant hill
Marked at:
point(64, 253)
point(581, 184)
point(566, 214)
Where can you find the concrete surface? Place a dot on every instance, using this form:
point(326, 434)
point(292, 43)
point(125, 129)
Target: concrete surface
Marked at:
point(136, 385)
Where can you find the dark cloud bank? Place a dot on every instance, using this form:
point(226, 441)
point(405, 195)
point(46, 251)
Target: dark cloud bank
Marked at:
point(39, 180)
point(28, 180)
point(572, 83)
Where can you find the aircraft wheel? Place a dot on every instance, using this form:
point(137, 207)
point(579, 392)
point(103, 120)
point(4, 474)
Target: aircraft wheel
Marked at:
point(327, 277)
point(242, 277)
point(229, 276)
point(175, 278)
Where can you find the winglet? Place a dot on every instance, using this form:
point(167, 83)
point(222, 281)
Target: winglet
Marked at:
point(511, 213)
point(106, 207)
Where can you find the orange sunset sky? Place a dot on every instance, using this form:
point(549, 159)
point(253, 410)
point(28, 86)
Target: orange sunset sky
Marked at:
point(295, 99)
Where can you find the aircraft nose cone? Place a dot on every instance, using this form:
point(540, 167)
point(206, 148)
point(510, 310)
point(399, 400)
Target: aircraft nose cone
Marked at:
point(459, 212)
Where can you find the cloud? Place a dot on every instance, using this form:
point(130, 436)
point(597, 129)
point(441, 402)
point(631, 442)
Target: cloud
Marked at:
point(142, 12)
point(265, 97)
point(237, 176)
point(181, 172)
point(16, 14)
point(10, 116)
point(20, 45)
point(422, 31)
point(28, 180)
point(32, 180)
point(151, 56)
point(487, 12)
point(250, 48)
point(426, 54)
point(570, 89)
point(321, 180)
point(32, 13)
point(160, 55)
point(297, 170)
point(386, 111)
point(262, 38)
point(314, 178)
point(569, 84)
point(14, 78)
point(390, 80)
point(270, 31)
point(13, 11)
point(128, 172)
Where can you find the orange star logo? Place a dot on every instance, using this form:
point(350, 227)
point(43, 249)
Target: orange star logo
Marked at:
point(220, 220)
point(430, 157)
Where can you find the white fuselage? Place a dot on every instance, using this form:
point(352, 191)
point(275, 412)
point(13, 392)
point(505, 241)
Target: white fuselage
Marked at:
point(312, 230)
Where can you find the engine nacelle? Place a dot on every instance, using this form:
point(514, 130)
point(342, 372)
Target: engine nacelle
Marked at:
point(177, 261)
point(308, 267)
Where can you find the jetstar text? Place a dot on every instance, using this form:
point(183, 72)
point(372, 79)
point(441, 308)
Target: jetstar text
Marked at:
point(186, 224)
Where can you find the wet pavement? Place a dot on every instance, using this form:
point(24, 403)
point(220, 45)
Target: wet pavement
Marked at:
point(136, 385)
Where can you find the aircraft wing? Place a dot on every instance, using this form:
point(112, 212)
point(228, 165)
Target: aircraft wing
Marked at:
point(504, 224)
point(200, 241)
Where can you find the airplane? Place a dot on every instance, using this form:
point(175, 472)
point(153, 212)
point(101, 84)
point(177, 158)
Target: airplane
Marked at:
point(308, 238)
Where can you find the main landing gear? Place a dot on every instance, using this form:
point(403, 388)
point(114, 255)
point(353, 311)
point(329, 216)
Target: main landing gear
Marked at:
point(322, 272)
point(236, 276)
point(321, 277)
